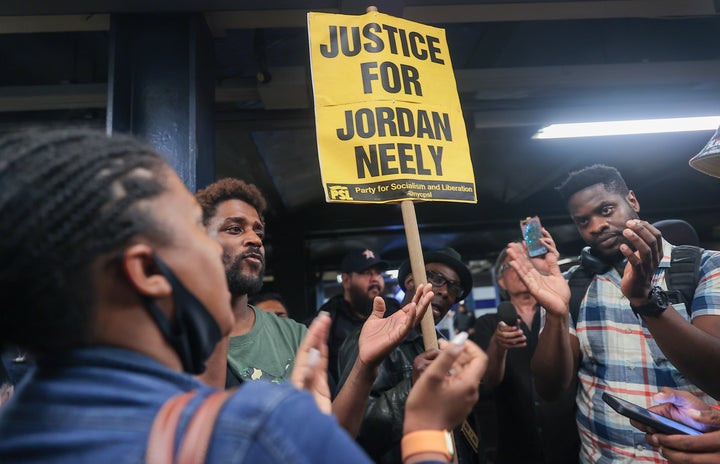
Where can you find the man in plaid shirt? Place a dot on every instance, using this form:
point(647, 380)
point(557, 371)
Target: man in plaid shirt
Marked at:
point(628, 339)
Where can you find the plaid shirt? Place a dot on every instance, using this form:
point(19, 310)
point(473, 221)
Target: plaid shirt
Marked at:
point(620, 356)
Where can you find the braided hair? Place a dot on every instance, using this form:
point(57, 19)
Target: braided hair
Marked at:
point(67, 196)
point(229, 189)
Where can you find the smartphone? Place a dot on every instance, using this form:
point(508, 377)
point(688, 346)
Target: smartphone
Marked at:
point(532, 233)
point(660, 423)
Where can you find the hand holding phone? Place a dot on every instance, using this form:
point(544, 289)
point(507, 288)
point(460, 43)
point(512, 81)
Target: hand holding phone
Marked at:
point(532, 233)
point(660, 423)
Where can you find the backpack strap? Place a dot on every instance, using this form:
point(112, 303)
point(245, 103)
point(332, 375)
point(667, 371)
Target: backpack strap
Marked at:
point(580, 278)
point(196, 441)
point(683, 275)
point(579, 281)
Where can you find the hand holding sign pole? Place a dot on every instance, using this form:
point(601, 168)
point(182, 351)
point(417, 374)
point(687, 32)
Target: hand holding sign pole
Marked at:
point(388, 119)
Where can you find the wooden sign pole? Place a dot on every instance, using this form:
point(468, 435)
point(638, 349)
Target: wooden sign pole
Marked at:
point(417, 264)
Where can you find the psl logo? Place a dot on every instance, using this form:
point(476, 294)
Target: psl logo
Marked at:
point(339, 192)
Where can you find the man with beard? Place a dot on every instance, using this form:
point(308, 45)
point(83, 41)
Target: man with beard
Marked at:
point(362, 281)
point(627, 338)
point(381, 429)
point(262, 346)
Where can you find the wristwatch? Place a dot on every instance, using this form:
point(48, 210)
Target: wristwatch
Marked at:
point(658, 302)
point(428, 441)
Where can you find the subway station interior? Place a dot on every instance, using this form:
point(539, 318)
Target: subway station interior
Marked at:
point(225, 87)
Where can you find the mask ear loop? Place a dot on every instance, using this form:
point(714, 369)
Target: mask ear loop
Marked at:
point(156, 313)
point(177, 335)
point(192, 331)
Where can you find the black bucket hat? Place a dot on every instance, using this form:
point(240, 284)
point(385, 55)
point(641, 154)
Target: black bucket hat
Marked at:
point(447, 256)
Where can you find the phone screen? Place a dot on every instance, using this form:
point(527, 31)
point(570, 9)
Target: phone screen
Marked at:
point(660, 423)
point(532, 233)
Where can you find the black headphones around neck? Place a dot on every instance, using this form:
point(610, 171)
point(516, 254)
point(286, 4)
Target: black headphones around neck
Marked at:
point(592, 263)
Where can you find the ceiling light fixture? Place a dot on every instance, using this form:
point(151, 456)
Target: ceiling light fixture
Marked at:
point(635, 126)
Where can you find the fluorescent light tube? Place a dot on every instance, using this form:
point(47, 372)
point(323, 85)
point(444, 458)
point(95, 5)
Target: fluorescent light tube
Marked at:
point(635, 126)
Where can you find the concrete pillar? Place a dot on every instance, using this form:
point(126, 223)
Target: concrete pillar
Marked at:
point(161, 88)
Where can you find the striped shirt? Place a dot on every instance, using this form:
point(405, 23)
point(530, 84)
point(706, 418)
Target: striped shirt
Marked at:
point(620, 356)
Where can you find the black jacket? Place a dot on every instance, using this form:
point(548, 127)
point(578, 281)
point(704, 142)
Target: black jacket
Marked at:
point(547, 430)
point(344, 322)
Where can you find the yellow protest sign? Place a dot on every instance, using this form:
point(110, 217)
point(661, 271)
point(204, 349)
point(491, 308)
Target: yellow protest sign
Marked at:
point(387, 113)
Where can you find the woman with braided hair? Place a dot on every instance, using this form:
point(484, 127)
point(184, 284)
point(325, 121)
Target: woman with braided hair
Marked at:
point(108, 278)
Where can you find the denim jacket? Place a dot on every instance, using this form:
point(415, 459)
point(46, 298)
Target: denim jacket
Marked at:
point(97, 405)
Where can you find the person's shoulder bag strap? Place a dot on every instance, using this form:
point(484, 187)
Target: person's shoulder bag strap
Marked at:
point(196, 441)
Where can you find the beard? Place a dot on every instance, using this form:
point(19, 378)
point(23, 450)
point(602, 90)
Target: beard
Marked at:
point(241, 283)
point(360, 302)
point(614, 255)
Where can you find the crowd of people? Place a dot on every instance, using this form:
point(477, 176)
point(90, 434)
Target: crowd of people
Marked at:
point(144, 288)
point(148, 313)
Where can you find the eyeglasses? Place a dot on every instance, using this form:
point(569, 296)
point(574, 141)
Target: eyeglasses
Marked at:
point(503, 267)
point(438, 280)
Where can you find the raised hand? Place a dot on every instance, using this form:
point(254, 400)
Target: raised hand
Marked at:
point(549, 288)
point(311, 362)
point(446, 392)
point(642, 262)
point(379, 336)
point(549, 243)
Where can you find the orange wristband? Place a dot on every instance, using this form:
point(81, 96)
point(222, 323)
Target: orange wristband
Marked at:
point(427, 441)
point(715, 407)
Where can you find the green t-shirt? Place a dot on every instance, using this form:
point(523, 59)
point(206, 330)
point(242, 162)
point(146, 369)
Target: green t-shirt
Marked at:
point(267, 352)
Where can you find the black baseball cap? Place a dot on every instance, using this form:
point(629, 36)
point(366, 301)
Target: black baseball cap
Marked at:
point(361, 259)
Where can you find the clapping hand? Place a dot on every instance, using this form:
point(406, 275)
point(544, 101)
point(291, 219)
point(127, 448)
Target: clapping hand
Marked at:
point(448, 389)
point(379, 336)
point(549, 288)
point(311, 362)
point(643, 261)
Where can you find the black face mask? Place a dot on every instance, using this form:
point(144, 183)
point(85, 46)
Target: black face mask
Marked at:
point(193, 332)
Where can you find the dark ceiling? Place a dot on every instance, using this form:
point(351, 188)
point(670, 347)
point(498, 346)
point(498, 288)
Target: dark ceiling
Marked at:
point(519, 65)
